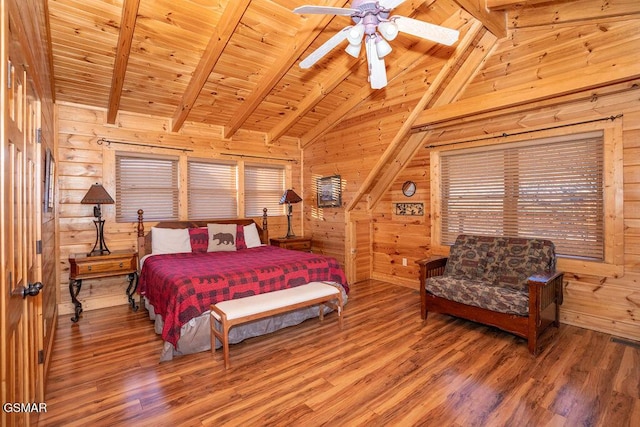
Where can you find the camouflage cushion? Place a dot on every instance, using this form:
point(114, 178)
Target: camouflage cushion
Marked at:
point(480, 294)
point(492, 272)
point(521, 258)
point(469, 256)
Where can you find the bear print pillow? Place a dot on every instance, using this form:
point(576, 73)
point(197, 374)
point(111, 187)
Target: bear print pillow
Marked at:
point(222, 237)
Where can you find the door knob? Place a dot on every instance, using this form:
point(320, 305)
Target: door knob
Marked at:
point(32, 290)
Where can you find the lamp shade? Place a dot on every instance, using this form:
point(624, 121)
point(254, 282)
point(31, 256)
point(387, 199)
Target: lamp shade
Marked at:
point(355, 34)
point(388, 29)
point(383, 48)
point(290, 196)
point(354, 49)
point(97, 195)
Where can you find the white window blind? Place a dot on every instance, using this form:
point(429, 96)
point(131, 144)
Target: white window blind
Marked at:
point(263, 188)
point(213, 191)
point(551, 188)
point(150, 184)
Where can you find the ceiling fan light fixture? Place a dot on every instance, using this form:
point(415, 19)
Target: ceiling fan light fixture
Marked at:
point(375, 27)
point(388, 29)
point(383, 48)
point(354, 49)
point(355, 34)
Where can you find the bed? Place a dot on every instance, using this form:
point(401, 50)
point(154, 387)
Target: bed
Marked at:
point(188, 265)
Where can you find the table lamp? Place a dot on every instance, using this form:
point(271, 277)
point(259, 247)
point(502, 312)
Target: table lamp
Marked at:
point(289, 197)
point(97, 195)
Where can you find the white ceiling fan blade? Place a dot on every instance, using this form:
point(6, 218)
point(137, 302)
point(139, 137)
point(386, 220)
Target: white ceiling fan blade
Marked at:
point(425, 30)
point(390, 4)
point(317, 54)
point(377, 69)
point(321, 10)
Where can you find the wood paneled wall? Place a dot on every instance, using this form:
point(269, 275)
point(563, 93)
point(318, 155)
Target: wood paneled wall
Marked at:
point(82, 161)
point(592, 300)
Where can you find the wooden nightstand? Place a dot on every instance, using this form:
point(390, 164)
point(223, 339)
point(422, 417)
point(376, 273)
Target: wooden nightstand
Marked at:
point(117, 263)
point(294, 243)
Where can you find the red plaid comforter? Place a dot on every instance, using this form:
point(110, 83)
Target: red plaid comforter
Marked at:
point(183, 286)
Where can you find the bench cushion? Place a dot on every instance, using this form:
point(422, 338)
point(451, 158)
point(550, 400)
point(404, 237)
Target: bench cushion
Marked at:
point(247, 306)
point(480, 294)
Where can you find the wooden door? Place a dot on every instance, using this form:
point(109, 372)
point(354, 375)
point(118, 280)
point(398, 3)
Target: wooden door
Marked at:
point(358, 263)
point(20, 212)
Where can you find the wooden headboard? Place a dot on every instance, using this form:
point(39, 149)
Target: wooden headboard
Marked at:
point(144, 240)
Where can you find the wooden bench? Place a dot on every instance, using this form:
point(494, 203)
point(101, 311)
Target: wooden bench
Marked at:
point(242, 310)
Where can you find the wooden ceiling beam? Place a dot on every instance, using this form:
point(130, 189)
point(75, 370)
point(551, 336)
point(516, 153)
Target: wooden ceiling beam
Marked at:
point(427, 97)
point(455, 87)
point(313, 27)
point(125, 38)
point(314, 97)
point(585, 11)
point(494, 21)
point(610, 72)
point(509, 4)
point(222, 34)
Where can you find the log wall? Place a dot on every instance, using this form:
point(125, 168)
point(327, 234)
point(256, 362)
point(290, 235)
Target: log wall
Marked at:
point(528, 56)
point(82, 161)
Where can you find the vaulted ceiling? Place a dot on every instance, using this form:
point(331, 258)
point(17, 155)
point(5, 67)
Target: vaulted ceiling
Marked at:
point(228, 63)
point(234, 63)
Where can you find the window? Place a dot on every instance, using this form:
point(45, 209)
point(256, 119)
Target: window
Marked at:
point(550, 188)
point(263, 188)
point(212, 190)
point(144, 183)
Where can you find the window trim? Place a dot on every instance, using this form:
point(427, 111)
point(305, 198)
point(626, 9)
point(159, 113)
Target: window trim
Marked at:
point(613, 263)
point(249, 165)
point(173, 159)
point(217, 162)
point(109, 160)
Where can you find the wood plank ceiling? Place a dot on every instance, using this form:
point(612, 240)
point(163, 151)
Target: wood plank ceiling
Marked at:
point(228, 63)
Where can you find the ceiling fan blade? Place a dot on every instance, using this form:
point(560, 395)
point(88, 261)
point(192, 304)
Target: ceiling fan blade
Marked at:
point(390, 4)
point(425, 30)
point(317, 54)
point(377, 69)
point(325, 10)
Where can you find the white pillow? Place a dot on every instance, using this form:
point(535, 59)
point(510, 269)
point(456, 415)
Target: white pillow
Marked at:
point(170, 240)
point(251, 236)
point(222, 237)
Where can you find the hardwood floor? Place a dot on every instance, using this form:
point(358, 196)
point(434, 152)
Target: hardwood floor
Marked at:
point(384, 368)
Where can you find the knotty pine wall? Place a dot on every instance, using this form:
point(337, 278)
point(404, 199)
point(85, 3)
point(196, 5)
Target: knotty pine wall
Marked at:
point(81, 161)
point(609, 303)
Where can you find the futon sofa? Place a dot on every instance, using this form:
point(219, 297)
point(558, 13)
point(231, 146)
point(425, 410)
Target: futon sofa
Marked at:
point(507, 282)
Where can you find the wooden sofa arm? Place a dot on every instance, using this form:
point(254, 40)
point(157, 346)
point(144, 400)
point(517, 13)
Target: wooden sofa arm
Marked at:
point(429, 267)
point(542, 279)
point(545, 289)
point(553, 279)
point(432, 266)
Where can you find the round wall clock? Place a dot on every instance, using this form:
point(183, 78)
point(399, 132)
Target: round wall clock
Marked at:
point(409, 188)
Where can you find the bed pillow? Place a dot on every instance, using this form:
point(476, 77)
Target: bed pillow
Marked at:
point(199, 237)
point(222, 237)
point(240, 244)
point(251, 236)
point(170, 240)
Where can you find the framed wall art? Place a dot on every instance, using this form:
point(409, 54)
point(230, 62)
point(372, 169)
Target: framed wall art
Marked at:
point(49, 177)
point(410, 209)
point(329, 192)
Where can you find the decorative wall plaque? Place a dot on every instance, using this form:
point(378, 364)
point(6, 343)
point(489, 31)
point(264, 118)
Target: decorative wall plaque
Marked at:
point(413, 209)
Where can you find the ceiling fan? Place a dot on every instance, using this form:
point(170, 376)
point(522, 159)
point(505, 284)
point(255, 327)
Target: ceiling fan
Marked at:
point(373, 23)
